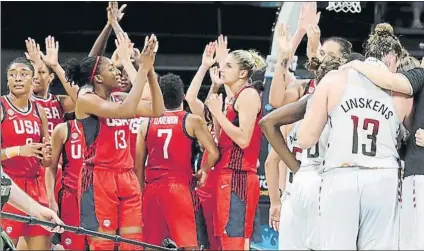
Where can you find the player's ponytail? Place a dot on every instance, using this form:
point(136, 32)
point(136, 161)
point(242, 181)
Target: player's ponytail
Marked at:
point(82, 73)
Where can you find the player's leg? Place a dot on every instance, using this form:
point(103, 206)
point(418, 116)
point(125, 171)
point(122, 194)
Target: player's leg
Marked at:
point(379, 222)
point(154, 226)
point(339, 202)
point(98, 205)
point(178, 208)
point(68, 209)
point(130, 220)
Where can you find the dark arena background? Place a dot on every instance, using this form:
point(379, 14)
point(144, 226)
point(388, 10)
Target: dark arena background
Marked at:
point(183, 29)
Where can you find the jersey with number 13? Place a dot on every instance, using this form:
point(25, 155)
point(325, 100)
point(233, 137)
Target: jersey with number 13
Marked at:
point(20, 128)
point(110, 146)
point(168, 148)
point(363, 127)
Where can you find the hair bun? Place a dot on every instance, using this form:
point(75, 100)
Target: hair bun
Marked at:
point(384, 29)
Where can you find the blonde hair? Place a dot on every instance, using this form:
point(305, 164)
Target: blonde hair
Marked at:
point(249, 60)
point(407, 63)
point(382, 42)
point(328, 63)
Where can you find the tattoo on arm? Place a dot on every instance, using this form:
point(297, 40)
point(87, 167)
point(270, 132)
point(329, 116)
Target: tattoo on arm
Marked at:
point(284, 62)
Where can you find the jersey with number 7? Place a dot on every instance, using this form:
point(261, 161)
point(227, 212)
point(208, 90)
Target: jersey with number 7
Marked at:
point(168, 148)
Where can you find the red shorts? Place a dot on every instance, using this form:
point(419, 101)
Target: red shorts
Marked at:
point(237, 197)
point(36, 190)
point(207, 199)
point(169, 212)
point(68, 212)
point(109, 199)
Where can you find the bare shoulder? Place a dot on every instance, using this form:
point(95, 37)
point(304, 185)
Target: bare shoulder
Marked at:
point(194, 120)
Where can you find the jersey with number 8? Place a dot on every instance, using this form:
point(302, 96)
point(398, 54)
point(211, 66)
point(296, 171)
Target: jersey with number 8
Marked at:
point(20, 128)
point(364, 127)
point(168, 148)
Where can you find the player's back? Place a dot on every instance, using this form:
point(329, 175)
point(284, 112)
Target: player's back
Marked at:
point(107, 142)
point(20, 128)
point(53, 109)
point(168, 149)
point(72, 155)
point(364, 127)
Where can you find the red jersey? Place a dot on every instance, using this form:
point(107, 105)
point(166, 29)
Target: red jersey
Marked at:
point(107, 142)
point(72, 154)
point(53, 109)
point(134, 127)
point(17, 129)
point(232, 156)
point(169, 148)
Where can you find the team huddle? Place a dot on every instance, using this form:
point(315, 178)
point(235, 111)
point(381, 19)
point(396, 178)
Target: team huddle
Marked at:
point(115, 154)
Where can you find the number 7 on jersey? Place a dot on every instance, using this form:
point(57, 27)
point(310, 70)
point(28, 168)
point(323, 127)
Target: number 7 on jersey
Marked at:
point(168, 133)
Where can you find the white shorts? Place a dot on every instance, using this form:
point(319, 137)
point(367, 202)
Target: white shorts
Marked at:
point(359, 209)
point(288, 238)
point(304, 203)
point(412, 214)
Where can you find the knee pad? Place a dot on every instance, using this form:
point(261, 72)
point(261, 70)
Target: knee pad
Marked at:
point(127, 246)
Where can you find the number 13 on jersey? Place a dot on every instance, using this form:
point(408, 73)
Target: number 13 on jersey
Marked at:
point(168, 135)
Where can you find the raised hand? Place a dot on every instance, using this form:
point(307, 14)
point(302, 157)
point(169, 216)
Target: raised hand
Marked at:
point(314, 36)
point(215, 78)
point(221, 49)
point(148, 54)
point(33, 53)
point(124, 47)
point(113, 13)
point(208, 55)
point(308, 15)
point(284, 43)
point(52, 52)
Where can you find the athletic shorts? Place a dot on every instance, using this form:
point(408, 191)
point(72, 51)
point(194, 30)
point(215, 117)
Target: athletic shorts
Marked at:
point(207, 201)
point(68, 212)
point(58, 185)
point(169, 213)
point(36, 190)
point(237, 197)
point(109, 199)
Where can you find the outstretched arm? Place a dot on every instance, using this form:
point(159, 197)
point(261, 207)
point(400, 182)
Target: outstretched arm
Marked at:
point(271, 124)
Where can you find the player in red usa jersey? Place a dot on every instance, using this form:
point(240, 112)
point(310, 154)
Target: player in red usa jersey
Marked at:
point(24, 126)
point(66, 142)
point(166, 142)
point(237, 191)
point(109, 192)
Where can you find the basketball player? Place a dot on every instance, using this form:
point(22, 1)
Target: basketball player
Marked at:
point(25, 125)
point(237, 188)
point(109, 192)
point(359, 190)
point(410, 82)
point(67, 143)
point(300, 232)
point(166, 143)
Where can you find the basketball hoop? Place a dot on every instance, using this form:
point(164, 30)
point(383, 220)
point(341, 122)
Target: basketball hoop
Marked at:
point(354, 7)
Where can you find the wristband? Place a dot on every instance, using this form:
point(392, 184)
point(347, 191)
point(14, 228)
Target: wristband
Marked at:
point(16, 151)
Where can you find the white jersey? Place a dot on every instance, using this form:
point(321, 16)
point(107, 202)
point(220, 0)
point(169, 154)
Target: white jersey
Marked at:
point(294, 147)
point(313, 157)
point(364, 127)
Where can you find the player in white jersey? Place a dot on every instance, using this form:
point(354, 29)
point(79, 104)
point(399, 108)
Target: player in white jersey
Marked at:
point(358, 203)
point(285, 239)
